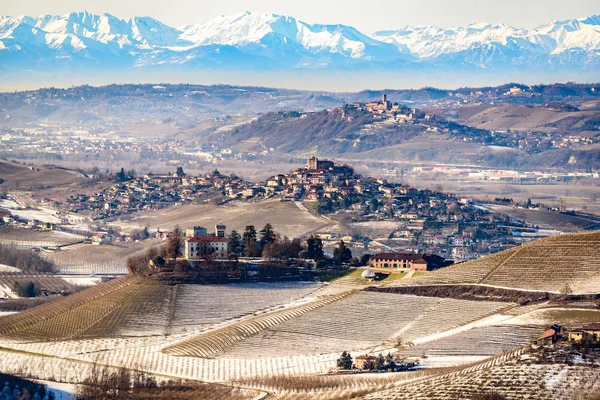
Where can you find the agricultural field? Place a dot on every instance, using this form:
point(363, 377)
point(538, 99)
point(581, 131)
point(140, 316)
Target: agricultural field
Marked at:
point(484, 341)
point(42, 281)
point(277, 337)
point(230, 301)
point(91, 259)
point(286, 217)
point(546, 219)
point(516, 378)
point(31, 238)
point(555, 264)
point(361, 321)
point(129, 307)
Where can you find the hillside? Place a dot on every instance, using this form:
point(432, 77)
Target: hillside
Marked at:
point(566, 263)
point(22, 177)
point(515, 117)
point(286, 217)
point(330, 132)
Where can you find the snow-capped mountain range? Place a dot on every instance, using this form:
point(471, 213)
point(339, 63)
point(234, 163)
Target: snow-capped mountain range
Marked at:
point(268, 41)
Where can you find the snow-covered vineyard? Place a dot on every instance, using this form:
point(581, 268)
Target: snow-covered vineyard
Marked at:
point(236, 332)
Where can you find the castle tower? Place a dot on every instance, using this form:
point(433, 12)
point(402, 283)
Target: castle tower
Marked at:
point(220, 230)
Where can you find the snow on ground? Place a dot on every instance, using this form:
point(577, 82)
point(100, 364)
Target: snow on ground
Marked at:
point(8, 268)
point(43, 214)
point(81, 280)
point(449, 361)
point(492, 320)
point(7, 293)
point(61, 391)
point(5, 313)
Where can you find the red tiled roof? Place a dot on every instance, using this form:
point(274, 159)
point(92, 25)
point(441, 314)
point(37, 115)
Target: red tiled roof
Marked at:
point(594, 326)
point(206, 239)
point(547, 334)
point(397, 256)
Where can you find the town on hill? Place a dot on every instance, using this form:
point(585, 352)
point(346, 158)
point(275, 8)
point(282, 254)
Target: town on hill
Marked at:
point(370, 215)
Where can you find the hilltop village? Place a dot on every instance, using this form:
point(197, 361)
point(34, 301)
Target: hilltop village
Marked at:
point(373, 215)
point(421, 221)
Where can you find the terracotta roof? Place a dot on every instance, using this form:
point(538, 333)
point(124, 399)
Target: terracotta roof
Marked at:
point(397, 256)
point(548, 333)
point(206, 239)
point(595, 326)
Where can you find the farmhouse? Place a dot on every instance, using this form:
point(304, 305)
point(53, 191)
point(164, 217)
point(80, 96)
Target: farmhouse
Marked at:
point(589, 333)
point(198, 247)
point(102, 238)
point(362, 362)
point(551, 335)
point(416, 262)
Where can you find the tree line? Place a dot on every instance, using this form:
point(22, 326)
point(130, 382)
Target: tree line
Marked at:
point(266, 244)
point(25, 260)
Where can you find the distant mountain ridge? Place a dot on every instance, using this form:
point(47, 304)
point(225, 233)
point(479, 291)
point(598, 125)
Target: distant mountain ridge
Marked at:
point(269, 41)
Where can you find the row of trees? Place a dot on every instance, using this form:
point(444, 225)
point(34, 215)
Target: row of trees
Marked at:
point(25, 260)
point(379, 363)
point(271, 245)
point(104, 384)
point(265, 243)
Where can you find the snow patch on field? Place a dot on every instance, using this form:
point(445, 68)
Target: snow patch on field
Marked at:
point(8, 268)
point(81, 281)
point(489, 321)
point(449, 361)
point(5, 313)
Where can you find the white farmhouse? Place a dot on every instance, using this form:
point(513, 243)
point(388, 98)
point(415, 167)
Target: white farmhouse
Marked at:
point(198, 247)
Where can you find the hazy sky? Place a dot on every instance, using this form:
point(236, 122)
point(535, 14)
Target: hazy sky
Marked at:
point(367, 16)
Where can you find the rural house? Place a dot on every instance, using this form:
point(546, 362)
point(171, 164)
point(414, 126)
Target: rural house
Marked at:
point(405, 261)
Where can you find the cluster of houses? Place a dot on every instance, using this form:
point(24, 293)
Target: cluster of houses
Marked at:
point(15, 222)
point(427, 221)
point(157, 191)
point(585, 335)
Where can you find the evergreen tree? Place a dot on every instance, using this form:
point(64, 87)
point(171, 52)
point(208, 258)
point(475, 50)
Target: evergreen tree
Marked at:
point(249, 240)
point(342, 253)
point(175, 243)
point(345, 361)
point(379, 362)
point(364, 259)
point(315, 248)
point(235, 244)
point(121, 176)
point(267, 235)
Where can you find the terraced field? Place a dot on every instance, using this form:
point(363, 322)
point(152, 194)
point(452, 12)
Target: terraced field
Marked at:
point(42, 281)
point(200, 306)
point(361, 321)
point(512, 380)
point(214, 342)
point(480, 341)
point(545, 265)
point(129, 307)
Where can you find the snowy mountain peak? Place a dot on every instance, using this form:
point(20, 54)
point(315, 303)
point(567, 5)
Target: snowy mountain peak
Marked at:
point(263, 40)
